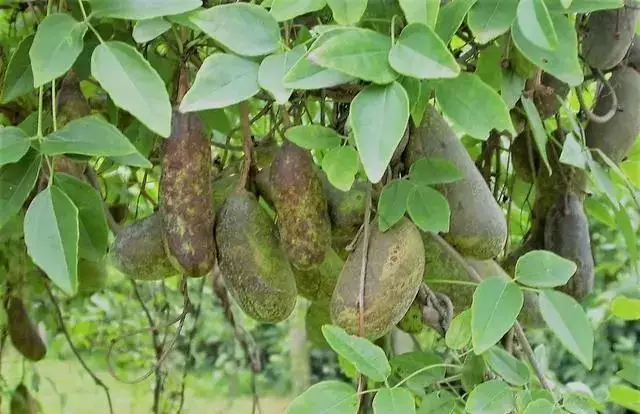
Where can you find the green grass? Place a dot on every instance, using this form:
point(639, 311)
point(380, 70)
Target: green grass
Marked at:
point(66, 388)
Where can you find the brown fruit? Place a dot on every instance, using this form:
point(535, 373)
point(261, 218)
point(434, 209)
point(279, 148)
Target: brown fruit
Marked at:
point(567, 234)
point(72, 103)
point(186, 197)
point(608, 35)
point(139, 253)
point(546, 97)
point(523, 155)
point(22, 402)
point(299, 199)
point(616, 137)
point(394, 271)
point(23, 332)
point(251, 261)
point(478, 225)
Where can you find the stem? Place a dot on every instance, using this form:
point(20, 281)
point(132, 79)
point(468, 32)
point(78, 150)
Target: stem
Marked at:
point(53, 105)
point(453, 282)
point(95, 378)
point(86, 20)
point(423, 369)
point(600, 119)
point(40, 102)
point(247, 144)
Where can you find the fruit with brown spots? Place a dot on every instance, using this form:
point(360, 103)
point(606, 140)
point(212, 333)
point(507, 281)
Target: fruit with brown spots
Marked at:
point(411, 322)
point(23, 332)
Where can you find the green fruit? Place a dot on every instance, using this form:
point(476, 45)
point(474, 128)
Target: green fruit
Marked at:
point(318, 314)
point(523, 155)
point(23, 332)
point(478, 225)
point(616, 137)
point(185, 197)
point(22, 402)
point(251, 261)
point(138, 251)
point(608, 35)
point(92, 276)
point(442, 264)
point(299, 199)
point(411, 322)
point(222, 188)
point(567, 234)
point(546, 98)
point(394, 270)
point(263, 184)
point(318, 283)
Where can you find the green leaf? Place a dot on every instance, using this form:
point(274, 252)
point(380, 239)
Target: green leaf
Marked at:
point(51, 236)
point(408, 363)
point(314, 137)
point(511, 369)
point(491, 397)
point(583, 6)
point(138, 10)
point(368, 358)
point(88, 136)
point(626, 227)
point(625, 396)
point(327, 397)
point(14, 143)
point(567, 320)
point(245, 29)
point(379, 116)
point(273, 69)
point(223, 80)
point(429, 171)
point(307, 75)
point(16, 181)
point(602, 181)
point(534, 23)
point(561, 62)
point(357, 52)
point(428, 209)
point(451, 17)
point(283, 10)
point(625, 308)
point(133, 84)
point(577, 403)
point(630, 370)
point(573, 153)
point(341, 165)
point(56, 47)
point(421, 11)
point(421, 54)
point(537, 127)
point(419, 92)
point(488, 19)
point(438, 402)
point(511, 87)
point(489, 61)
point(18, 78)
point(495, 307)
point(540, 406)
point(393, 401)
point(631, 169)
point(347, 12)
point(474, 371)
point(392, 203)
point(146, 30)
point(93, 230)
point(542, 269)
point(473, 106)
point(459, 333)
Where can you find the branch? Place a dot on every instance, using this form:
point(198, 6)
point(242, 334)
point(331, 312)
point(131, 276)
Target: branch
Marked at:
point(97, 380)
point(600, 119)
point(363, 278)
point(247, 143)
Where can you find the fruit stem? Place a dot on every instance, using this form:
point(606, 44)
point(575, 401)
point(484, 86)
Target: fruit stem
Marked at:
point(247, 144)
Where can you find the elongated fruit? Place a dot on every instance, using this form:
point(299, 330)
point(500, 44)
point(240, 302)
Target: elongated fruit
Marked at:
point(608, 35)
point(186, 197)
point(22, 402)
point(252, 263)
point(138, 251)
point(394, 270)
point(23, 332)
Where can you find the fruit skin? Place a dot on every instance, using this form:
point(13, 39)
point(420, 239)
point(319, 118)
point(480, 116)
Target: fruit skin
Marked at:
point(608, 35)
point(185, 197)
point(441, 264)
point(567, 234)
point(252, 263)
point(395, 267)
point(633, 57)
point(616, 137)
point(139, 253)
point(23, 332)
point(318, 314)
point(318, 283)
point(92, 276)
point(22, 402)
point(299, 199)
point(222, 188)
point(411, 322)
point(478, 226)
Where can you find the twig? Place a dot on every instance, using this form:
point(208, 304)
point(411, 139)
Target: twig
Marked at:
point(522, 339)
point(600, 119)
point(363, 275)
point(247, 144)
point(95, 378)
